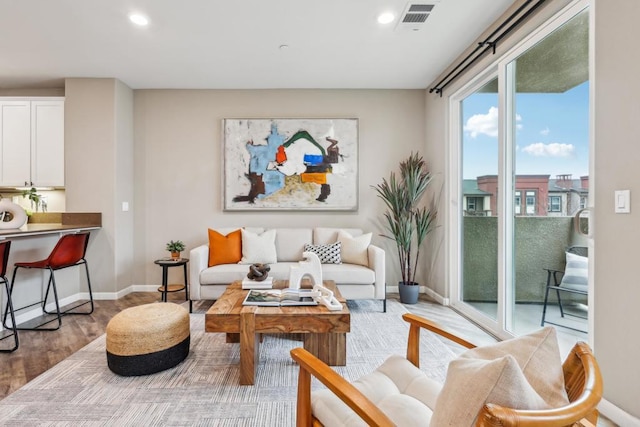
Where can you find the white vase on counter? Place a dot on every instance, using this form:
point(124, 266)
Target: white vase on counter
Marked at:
point(16, 214)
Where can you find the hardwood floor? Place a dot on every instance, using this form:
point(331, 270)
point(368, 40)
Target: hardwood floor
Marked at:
point(40, 351)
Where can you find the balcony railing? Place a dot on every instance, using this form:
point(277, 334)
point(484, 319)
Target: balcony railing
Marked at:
point(540, 242)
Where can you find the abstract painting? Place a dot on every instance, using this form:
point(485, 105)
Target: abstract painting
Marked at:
point(290, 164)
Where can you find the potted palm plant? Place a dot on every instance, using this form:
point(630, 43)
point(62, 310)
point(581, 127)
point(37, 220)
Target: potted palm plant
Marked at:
point(175, 248)
point(407, 223)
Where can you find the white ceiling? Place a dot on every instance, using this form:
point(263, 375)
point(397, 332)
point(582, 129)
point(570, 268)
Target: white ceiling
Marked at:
point(233, 44)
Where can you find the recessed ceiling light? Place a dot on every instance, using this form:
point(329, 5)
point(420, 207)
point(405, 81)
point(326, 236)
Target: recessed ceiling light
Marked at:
point(138, 19)
point(386, 18)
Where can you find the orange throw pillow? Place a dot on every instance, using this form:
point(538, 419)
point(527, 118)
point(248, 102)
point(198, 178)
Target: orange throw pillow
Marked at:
point(224, 249)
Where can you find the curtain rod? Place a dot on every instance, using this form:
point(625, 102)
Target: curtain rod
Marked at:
point(487, 44)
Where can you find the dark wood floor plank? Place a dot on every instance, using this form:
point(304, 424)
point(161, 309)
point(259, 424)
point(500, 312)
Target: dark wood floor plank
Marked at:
point(40, 350)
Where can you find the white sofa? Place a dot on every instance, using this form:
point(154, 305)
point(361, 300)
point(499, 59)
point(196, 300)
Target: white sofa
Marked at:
point(353, 281)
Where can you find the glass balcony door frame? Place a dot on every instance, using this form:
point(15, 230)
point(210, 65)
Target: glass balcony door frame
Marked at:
point(504, 69)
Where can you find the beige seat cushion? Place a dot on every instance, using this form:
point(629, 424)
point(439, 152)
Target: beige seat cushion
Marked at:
point(352, 273)
point(402, 391)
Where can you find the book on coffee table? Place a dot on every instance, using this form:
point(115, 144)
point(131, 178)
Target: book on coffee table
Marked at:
point(280, 297)
point(255, 284)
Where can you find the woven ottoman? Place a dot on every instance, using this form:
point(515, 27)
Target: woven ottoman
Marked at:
point(147, 339)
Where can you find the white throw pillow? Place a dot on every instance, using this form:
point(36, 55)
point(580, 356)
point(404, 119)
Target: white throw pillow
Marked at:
point(471, 383)
point(538, 356)
point(576, 273)
point(258, 248)
point(354, 249)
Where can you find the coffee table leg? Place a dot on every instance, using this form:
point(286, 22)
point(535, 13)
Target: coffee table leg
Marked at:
point(249, 349)
point(330, 348)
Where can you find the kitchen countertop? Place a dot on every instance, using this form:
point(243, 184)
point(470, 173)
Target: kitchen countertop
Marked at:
point(49, 223)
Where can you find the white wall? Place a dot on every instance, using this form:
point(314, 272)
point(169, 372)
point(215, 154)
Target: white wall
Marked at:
point(178, 160)
point(616, 129)
point(124, 186)
point(90, 168)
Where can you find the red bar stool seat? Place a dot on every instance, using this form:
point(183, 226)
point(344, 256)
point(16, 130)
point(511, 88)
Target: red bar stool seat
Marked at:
point(4, 258)
point(69, 252)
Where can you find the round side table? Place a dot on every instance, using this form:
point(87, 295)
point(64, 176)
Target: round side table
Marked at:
point(166, 263)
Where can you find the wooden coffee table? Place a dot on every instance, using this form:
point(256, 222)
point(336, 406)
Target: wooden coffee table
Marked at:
point(325, 332)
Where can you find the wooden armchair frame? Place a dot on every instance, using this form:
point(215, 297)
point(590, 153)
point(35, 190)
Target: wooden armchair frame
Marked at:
point(583, 383)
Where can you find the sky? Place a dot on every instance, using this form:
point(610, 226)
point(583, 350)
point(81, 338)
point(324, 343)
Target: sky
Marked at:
point(552, 133)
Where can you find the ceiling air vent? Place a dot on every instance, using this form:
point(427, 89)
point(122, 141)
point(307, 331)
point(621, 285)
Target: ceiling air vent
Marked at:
point(414, 16)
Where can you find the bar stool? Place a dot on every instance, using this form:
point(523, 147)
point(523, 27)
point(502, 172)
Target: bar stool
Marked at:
point(68, 252)
point(4, 258)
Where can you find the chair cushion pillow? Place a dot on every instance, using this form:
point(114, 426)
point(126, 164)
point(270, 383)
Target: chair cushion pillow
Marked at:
point(224, 249)
point(258, 248)
point(402, 391)
point(576, 273)
point(471, 383)
point(538, 356)
point(354, 249)
point(325, 236)
point(290, 243)
point(328, 254)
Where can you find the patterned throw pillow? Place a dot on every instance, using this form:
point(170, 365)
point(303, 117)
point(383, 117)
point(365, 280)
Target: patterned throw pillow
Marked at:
point(328, 254)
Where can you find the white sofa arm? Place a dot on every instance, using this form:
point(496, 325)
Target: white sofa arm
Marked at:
point(198, 261)
point(377, 264)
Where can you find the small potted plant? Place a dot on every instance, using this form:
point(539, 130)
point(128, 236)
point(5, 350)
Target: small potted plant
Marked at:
point(175, 248)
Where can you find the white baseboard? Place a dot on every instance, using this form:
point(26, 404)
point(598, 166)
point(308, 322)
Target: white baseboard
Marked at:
point(435, 296)
point(617, 415)
point(36, 311)
point(424, 290)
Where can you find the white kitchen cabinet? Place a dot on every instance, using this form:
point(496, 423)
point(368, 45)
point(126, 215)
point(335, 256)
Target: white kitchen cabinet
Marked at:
point(15, 143)
point(32, 142)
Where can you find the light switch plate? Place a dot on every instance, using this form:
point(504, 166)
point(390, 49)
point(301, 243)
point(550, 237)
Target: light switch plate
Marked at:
point(623, 201)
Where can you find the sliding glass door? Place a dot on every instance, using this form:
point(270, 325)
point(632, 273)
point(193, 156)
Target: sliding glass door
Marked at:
point(479, 227)
point(521, 177)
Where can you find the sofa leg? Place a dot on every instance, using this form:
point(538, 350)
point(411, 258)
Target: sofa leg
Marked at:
point(190, 306)
point(384, 305)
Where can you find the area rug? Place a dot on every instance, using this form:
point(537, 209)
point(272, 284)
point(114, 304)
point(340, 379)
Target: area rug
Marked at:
point(203, 389)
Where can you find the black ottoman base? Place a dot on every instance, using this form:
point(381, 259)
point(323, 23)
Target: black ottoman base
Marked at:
point(145, 364)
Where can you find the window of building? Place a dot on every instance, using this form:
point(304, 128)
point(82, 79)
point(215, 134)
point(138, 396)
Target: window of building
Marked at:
point(531, 202)
point(583, 202)
point(555, 204)
point(471, 203)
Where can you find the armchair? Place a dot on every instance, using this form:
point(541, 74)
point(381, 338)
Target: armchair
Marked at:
point(573, 280)
point(580, 371)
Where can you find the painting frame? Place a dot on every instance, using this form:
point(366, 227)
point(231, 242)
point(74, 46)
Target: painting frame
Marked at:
point(290, 164)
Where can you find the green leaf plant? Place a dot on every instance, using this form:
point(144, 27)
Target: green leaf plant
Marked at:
point(407, 223)
point(33, 196)
point(176, 246)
